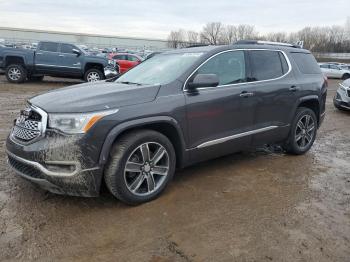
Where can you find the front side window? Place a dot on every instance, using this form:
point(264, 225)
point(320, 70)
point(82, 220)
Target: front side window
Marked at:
point(228, 66)
point(266, 65)
point(67, 48)
point(49, 47)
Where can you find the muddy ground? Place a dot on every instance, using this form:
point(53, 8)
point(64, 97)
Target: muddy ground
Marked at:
point(257, 206)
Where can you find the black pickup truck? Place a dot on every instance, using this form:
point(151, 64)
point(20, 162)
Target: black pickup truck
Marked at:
point(54, 59)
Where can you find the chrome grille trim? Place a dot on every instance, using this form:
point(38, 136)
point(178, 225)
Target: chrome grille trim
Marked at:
point(28, 130)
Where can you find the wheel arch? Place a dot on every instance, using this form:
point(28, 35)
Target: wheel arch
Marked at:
point(14, 59)
point(162, 124)
point(91, 65)
point(313, 103)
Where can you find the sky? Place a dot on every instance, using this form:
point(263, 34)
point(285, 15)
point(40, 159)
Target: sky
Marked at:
point(156, 18)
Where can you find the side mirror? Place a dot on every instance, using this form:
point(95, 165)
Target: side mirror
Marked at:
point(77, 52)
point(204, 80)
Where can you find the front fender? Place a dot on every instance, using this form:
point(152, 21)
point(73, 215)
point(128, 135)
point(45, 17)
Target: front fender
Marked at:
point(138, 123)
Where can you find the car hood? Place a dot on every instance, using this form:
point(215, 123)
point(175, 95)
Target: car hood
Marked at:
point(346, 83)
point(89, 97)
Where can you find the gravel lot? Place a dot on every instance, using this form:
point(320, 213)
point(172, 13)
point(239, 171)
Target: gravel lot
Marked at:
point(256, 206)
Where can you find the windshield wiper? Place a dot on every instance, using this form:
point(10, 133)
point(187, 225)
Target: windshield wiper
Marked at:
point(129, 83)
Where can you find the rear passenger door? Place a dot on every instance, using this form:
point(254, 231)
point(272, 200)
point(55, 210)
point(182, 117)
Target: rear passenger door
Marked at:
point(275, 89)
point(47, 57)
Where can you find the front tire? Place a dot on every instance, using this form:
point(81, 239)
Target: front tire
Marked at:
point(16, 73)
point(345, 76)
point(93, 75)
point(141, 165)
point(303, 132)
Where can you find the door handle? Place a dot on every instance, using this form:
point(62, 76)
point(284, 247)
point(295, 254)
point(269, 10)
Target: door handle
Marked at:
point(61, 55)
point(39, 53)
point(294, 88)
point(246, 94)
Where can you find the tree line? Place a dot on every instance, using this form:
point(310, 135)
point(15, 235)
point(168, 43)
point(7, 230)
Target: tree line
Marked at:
point(334, 38)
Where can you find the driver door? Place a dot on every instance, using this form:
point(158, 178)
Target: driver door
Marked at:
point(220, 118)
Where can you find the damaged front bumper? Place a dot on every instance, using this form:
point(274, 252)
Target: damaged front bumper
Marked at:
point(110, 71)
point(342, 98)
point(56, 164)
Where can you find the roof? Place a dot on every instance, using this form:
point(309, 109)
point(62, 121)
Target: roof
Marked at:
point(248, 45)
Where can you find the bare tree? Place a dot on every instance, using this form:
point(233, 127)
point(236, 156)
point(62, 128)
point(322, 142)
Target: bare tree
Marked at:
point(211, 33)
point(192, 37)
point(229, 34)
point(245, 32)
point(176, 39)
point(317, 39)
point(277, 37)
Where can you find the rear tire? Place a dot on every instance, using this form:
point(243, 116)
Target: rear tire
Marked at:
point(303, 132)
point(93, 75)
point(16, 73)
point(134, 176)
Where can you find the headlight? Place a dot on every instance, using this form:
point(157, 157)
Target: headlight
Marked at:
point(111, 62)
point(77, 123)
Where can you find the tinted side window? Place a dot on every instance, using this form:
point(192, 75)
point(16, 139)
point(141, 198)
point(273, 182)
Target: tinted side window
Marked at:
point(266, 65)
point(66, 48)
point(133, 58)
point(228, 66)
point(307, 64)
point(50, 47)
point(324, 66)
point(120, 57)
point(333, 67)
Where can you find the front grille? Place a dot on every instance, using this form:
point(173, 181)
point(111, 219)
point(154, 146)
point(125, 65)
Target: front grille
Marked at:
point(28, 126)
point(348, 92)
point(23, 168)
point(24, 134)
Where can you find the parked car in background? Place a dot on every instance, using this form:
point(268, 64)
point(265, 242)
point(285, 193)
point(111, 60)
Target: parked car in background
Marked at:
point(334, 71)
point(342, 97)
point(152, 55)
point(54, 59)
point(345, 66)
point(125, 61)
point(171, 111)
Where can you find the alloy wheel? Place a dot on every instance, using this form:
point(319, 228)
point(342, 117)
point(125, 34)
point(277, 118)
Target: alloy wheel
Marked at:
point(14, 74)
point(93, 77)
point(305, 131)
point(146, 169)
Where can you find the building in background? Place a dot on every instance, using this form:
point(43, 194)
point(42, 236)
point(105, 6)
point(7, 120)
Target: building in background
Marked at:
point(29, 36)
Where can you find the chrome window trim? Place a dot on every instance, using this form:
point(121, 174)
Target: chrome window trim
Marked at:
point(245, 83)
point(227, 138)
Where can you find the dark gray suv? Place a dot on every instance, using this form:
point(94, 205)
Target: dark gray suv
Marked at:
point(173, 110)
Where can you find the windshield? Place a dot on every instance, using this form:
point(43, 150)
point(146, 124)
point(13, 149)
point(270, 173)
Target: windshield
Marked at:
point(160, 69)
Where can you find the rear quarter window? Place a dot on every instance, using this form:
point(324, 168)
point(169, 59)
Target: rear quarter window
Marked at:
point(306, 63)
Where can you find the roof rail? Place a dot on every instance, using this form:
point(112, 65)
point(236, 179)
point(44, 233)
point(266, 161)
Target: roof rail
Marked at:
point(259, 42)
point(196, 45)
